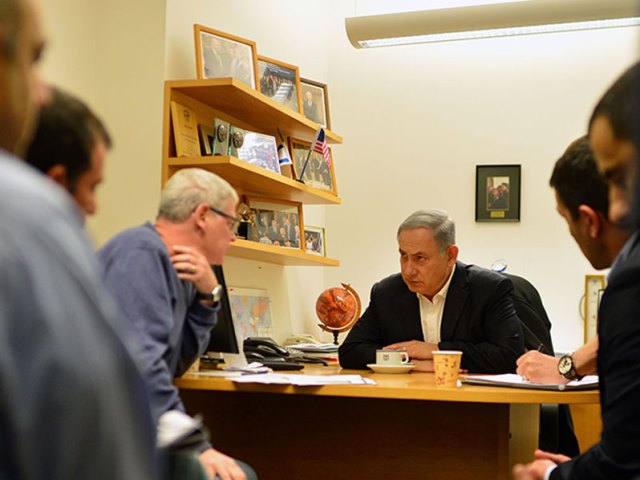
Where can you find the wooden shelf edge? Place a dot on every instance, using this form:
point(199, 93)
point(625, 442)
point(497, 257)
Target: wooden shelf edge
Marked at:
point(233, 162)
point(278, 255)
point(332, 137)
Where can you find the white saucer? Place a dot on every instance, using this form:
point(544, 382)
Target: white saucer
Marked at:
point(404, 368)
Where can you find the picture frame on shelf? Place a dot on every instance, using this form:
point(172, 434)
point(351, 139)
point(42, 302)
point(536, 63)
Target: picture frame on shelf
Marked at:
point(318, 173)
point(280, 82)
point(314, 240)
point(222, 55)
point(498, 193)
point(206, 139)
point(260, 150)
point(276, 222)
point(315, 102)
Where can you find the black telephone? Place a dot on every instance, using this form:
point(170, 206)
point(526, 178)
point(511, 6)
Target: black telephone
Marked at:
point(265, 347)
point(269, 353)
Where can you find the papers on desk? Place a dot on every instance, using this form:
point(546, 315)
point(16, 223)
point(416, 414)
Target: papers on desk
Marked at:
point(512, 380)
point(315, 347)
point(304, 380)
point(250, 369)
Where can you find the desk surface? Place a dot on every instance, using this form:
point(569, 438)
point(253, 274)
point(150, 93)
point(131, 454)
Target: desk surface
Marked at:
point(409, 386)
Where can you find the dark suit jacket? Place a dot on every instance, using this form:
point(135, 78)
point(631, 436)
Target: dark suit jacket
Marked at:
point(617, 456)
point(478, 318)
point(556, 425)
point(536, 326)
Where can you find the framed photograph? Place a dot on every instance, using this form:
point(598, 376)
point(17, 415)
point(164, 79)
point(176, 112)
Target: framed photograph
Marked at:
point(221, 55)
point(497, 193)
point(251, 311)
point(318, 173)
point(276, 222)
point(314, 240)
point(280, 82)
point(206, 139)
point(315, 102)
point(261, 150)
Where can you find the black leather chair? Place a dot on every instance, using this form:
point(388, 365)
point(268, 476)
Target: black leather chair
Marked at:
point(556, 425)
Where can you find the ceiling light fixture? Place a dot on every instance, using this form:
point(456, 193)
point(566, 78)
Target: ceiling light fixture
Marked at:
point(490, 21)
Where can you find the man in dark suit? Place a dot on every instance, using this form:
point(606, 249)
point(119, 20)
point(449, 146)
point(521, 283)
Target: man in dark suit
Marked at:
point(437, 302)
point(582, 200)
point(615, 140)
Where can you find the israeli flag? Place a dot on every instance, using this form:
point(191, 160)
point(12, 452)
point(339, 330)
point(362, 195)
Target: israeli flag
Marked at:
point(283, 155)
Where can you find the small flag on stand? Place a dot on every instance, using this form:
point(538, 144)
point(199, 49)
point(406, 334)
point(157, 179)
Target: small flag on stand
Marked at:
point(283, 155)
point(320, 146)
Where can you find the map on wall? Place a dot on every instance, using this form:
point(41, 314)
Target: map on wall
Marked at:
point(251, 311)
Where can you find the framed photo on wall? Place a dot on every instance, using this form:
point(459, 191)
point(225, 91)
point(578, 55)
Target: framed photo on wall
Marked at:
point(315, 102)
point(318, 173)
point(497, 193)
point(314, 240)
point(280, 82)
point(276, 222)
point(221, 55)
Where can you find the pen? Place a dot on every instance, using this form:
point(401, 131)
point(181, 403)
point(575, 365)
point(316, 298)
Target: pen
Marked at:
point(540, 348)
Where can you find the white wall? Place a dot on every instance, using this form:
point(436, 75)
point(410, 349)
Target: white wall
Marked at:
point(111, 54)
point(416, 121)
point(294, 32)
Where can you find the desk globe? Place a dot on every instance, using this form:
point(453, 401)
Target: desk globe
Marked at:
point(338, 309)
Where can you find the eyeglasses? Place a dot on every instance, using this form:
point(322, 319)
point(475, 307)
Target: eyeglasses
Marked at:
point(232, 222)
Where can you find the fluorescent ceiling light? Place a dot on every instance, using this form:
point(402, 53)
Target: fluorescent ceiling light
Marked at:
point(489, 21)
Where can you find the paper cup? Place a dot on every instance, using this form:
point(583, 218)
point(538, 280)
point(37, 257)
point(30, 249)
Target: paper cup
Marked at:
point(446, 364)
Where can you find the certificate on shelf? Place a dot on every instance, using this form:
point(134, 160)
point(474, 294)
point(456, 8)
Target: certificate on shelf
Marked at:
point(185, 131)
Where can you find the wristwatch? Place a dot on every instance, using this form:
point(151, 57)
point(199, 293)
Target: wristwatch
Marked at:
point(214, 296)
point(567, 368)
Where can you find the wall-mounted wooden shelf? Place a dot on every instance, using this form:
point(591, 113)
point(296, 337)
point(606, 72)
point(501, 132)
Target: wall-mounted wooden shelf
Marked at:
point(241, 101)
point(278, 255)
point(253, 179)
point(235, 102)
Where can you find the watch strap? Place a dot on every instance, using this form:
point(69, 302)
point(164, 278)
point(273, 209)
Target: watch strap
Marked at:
point(214, 296)
point(571, 373)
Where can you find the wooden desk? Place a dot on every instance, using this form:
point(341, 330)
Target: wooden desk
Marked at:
point(403, 427)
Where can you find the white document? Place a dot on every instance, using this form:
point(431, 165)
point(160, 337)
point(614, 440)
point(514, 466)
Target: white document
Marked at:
point(304, 380)
point(513, 380)
point(315, 347)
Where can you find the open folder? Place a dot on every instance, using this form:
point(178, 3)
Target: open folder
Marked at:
point(512, 380)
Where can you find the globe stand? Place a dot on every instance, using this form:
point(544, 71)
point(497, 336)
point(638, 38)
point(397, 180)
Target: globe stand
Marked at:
point(338, 309)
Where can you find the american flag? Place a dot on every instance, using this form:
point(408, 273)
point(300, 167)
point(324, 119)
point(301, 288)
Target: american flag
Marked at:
point(320, 146)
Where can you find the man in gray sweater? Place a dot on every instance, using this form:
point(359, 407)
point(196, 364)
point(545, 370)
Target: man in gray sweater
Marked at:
point(161, 276)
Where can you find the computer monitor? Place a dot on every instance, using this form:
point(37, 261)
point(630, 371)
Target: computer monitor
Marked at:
point(224, 337)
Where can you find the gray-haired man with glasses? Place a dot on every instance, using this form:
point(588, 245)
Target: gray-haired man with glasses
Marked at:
point(161, 276)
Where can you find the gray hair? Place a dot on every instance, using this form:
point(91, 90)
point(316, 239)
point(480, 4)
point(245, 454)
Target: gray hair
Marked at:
point(188, 188)
point(11, 20)
point(439, 221)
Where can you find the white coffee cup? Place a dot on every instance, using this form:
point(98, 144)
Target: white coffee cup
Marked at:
point(391, 357)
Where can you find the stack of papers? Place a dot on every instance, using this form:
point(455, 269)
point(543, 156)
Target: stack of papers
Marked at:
point(513, 380)
point(249, 369)
point(304, 380)
point(315, 347)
